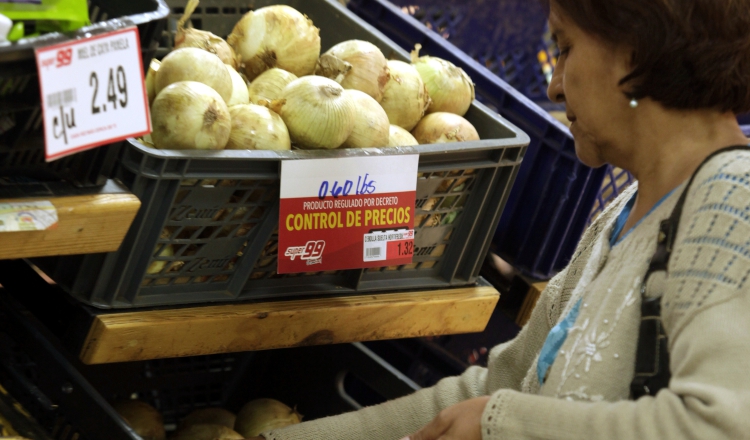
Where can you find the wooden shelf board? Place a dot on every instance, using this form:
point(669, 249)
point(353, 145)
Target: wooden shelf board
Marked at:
point(89, 221)
point(141, 335)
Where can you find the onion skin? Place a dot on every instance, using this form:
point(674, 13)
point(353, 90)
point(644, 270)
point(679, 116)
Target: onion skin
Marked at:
point(239, 88)
point(269, 84)
point(276, 36)
point(398, 137)
point(371, 127)
point(153, 67)
point(360, 63)
point(191, 64)
point(189, 115)
point(443, 127)
point(145, 420)
point(405, 97)
point(261, 415)
point(450, 88)
point(317, 113)
point(255, 127)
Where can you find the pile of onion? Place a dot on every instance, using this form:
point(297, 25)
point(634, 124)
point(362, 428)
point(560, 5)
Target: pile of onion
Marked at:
point(189, 115)
point(398, 137)
point(371, 127)
point(192, 64)
point(276, 36)
point(443, 127)
point(318, 114)
point(450, 88)
point(240, 94)
point(255, 127)
point(405, 97)
point(357, 65)
point(189, 37)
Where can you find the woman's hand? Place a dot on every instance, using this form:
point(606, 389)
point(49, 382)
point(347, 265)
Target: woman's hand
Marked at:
point(458, 422)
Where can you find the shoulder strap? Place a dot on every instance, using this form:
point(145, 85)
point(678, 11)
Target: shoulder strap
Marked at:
point(652, 354)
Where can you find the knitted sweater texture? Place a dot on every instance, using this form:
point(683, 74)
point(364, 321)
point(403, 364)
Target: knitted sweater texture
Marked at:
point(706, 313)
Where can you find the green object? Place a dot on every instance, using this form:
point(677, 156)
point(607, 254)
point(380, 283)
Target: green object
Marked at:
point(49, 15)
point(16, 32)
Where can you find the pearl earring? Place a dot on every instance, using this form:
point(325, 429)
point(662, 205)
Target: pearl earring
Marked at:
point(633, 103)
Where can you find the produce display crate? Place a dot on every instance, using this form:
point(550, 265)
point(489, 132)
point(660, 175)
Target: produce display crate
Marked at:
point(554, 193)
point(72, 401)
point(21, 125)
point(219, 212)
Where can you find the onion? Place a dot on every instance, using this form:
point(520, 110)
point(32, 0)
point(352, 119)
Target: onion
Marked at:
point(209, 416)
point(262, 415)
point(153, 67)
point(398, 137)
point(239, 88)
point(255, 127)
point(189, 37)
point(189, 115)
point(405, 96)
point(269, 84)
point(206, 432)
point(370, 122)
point(442, 127)
point(317, 112)
point(450, 88)
point(145, 420)
point(191, 64)
point(276, 36)
point(357, 65)
point(157, 266)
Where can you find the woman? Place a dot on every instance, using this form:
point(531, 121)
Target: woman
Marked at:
point(653, 87)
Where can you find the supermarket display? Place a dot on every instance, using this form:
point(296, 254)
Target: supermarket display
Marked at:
point(211, 218)
point(22, 147)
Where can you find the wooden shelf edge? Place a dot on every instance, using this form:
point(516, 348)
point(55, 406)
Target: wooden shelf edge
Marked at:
point(143, 335)
point(89, 221)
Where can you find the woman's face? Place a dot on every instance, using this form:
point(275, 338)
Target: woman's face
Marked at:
point(586, 79)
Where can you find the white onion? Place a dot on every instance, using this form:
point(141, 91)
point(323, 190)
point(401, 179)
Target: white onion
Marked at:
point(398, 137)
point(189, 37)
point(370, 122)
point(276, 36)
point(153, 67)
point(443, 127)
point(192, 64)
point(405, 97)
point(450, 88)
point(262, 415)
point(357, 65)
point(269, 84)
point(255, 127)
point(189, 115)
point(317, 112)
point(239, 88)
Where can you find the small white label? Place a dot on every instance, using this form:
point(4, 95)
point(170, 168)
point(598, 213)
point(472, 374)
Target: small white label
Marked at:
point(376, 245)
point(92, 92)
point(27, 216)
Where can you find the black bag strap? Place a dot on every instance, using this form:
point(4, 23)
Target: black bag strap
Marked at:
point(652, 355)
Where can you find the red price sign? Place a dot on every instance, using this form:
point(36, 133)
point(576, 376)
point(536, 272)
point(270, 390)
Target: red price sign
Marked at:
point(347, 213)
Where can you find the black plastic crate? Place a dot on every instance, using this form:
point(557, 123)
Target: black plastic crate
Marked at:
point(72, 401)
point(21, 125)
point(218, 213)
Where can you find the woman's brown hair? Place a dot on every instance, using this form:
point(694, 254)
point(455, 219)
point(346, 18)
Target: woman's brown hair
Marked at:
point(687, 54)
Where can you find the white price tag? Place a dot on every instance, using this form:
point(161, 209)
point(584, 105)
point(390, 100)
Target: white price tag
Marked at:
point(93, 92)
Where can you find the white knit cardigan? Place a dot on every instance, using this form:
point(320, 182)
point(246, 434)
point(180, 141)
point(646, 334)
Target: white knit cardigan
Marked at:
point(706, 312)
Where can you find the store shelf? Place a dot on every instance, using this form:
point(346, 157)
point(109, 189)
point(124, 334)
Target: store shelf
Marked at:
point(90, 220)
point(106, 336)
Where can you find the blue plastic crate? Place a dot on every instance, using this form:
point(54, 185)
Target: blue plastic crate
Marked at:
point(554, 193)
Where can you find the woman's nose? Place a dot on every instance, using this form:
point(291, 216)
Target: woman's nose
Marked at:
point(555, 91)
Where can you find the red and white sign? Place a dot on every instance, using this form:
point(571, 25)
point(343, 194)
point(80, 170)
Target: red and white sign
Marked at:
point(93, 92)
point(347, 213)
